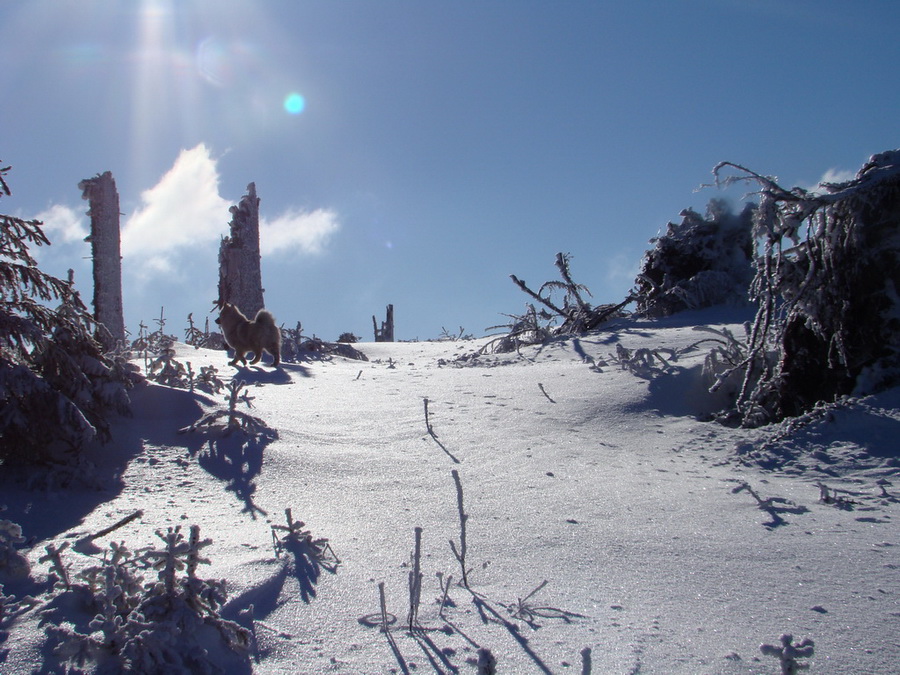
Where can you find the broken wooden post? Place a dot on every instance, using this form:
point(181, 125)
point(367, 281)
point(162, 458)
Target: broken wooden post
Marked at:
point(240, 278)
point(386, 332)
point(106, 252)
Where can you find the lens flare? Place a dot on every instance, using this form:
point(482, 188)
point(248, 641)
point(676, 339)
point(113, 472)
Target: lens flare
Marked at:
point(213, 62)
point(294, 103)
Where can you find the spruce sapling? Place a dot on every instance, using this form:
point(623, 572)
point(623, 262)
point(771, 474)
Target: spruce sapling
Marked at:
point(788, 653)
point(13, 565)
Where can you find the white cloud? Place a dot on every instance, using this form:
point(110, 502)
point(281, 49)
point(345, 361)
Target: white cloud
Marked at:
point(64, 224)
point(182, 211)
point(295, 230)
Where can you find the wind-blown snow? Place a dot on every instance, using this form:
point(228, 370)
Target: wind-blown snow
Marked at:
point(574, 471)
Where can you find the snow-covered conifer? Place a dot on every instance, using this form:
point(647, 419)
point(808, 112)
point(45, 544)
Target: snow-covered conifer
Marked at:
point(57, 388)
point(700, 262)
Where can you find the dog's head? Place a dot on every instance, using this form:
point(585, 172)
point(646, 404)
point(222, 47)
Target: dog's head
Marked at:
point(226, 309)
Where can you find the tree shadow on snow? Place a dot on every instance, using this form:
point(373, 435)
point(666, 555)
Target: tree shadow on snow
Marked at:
point(306, 566)
point(489, 614)
point(775, 507)
point(47, 502)
point(236, 458)
point(304, 563)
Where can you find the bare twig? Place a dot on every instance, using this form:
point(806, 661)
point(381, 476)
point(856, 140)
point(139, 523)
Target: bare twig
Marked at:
point(384, 614)
point(460, 553)
point(445, 589)
point(415, 582)
point(428, 426)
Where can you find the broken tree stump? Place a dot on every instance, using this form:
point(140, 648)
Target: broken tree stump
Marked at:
point(386, 332)
point(240, 277)
point(106, 253)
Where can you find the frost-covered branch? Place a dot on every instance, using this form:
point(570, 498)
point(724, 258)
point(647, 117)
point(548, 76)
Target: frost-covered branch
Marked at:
point(825, 286)
point(576, 316)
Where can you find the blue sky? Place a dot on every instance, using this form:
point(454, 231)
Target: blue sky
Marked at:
point(419, 152)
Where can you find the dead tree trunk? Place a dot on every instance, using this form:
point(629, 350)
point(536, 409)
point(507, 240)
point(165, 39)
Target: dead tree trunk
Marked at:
point(240, 278)
point(106, 252)
point(386, 332)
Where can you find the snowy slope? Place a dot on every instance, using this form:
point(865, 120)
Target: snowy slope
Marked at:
point(573, 471)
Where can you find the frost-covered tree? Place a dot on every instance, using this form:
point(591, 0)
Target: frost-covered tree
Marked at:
point(700, 262)
point(56, 386)
point(827, 281)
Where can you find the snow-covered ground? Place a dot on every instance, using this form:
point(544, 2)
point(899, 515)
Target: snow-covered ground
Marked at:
point(573, 471)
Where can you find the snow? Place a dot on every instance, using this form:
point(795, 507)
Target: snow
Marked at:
point(668, 544)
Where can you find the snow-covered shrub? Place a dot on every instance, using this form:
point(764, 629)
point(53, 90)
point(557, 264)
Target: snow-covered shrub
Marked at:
point(167, 625)
point(826, 284)
point(203, 338)
point(238, 420)
point(13, 565)
point(166, 369)
point(151, 343)
point(719, 366)
point(298, 540)
point(207, 380)
point(448, 336)
point(700, 262)
point(644, 362)
point(531, 327)
point(57, 388)
point(295, 346)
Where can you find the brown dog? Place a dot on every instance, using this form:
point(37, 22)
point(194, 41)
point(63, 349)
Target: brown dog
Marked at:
point(256, 336)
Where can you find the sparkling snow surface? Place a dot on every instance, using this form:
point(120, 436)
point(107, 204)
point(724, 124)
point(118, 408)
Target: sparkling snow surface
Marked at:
point(574, 471)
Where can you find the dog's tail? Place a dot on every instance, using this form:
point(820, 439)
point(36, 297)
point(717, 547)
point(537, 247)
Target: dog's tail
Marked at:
point(265, 317)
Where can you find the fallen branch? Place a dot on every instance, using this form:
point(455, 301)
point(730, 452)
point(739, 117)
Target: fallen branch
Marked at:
point(115, 526)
